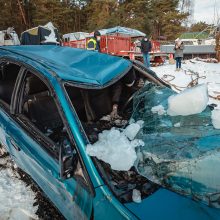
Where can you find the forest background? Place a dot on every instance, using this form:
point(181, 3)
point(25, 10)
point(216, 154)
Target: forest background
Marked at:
point(160, 19)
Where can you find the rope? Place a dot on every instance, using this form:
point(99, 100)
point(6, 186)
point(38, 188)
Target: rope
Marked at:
point(167, 78)
point(215, 97)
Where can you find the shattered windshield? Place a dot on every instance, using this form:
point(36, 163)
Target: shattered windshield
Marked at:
point(181, 153)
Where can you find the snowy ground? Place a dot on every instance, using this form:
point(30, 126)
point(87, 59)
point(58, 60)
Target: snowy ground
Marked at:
point(17, 199)
point(20, 198)
point(192, 71)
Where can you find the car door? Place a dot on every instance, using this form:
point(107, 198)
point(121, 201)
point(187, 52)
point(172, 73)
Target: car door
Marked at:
point(36, 135)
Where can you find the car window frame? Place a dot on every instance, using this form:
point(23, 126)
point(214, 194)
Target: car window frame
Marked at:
point(8, 107)
point(46, 143)
point(64, 84)
point(40, 137)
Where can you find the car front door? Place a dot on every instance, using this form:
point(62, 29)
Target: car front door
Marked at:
point(37, 134)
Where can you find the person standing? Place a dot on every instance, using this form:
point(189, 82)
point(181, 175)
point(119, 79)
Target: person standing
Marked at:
point(145, 49)
point(178, 55)
point(94, 42)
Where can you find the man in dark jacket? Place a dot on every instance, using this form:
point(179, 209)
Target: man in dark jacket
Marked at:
point(94, 42)
point(145, 49)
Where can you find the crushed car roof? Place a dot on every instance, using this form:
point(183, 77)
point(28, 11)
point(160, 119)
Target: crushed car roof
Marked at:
point(71, 64)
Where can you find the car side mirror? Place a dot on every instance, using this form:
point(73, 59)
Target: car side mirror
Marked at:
point(67, 163)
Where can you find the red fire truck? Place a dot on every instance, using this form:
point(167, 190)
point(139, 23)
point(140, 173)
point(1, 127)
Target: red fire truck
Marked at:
point(118, 41)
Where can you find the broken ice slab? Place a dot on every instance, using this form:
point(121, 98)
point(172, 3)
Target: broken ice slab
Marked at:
point(216, 118)
point(190, 101)
point(117, 147)
point(136, 196)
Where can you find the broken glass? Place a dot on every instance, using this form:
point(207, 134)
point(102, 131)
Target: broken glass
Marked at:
point(122, 183)
point(181, 153)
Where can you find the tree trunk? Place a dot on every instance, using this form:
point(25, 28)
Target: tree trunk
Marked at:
point(22, 13)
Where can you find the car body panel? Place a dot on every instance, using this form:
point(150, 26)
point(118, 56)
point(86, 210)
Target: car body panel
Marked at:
point(5, 120)
point(107, 207)
point(166, 205)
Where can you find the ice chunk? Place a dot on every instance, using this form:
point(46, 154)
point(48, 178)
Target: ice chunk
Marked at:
point(159, 92)
point(158, 109)
point(177, 125)
point(140, 122)
point(115, 148)
point(136, 196)
point(190, 101)
point(216, 118)
point(132, 130)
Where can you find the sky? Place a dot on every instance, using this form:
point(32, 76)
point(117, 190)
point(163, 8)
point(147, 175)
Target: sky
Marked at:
point(204, 10)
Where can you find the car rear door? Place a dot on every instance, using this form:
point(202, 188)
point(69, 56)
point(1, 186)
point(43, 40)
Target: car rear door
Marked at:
point(36, 134)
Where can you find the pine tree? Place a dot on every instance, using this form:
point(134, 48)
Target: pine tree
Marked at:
point(10, 16)
point(167, 19)
point(100, 13)
point(199, 26)
point(154, 17)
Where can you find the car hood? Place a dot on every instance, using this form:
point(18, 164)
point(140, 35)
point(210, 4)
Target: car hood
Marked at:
point(166, 205)
point(181, 153)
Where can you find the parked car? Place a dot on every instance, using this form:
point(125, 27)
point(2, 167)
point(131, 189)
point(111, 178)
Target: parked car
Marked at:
point(49, 113)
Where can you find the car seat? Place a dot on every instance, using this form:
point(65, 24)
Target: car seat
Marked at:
point(40, 106)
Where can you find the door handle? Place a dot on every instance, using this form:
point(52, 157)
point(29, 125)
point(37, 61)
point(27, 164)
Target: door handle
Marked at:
point(15, 145)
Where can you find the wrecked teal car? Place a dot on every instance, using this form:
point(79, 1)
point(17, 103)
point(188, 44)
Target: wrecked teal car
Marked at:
point(51, 101)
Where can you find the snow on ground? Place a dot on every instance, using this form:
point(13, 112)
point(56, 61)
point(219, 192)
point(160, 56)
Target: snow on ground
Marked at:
point(192, 70)
point(16, 199)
